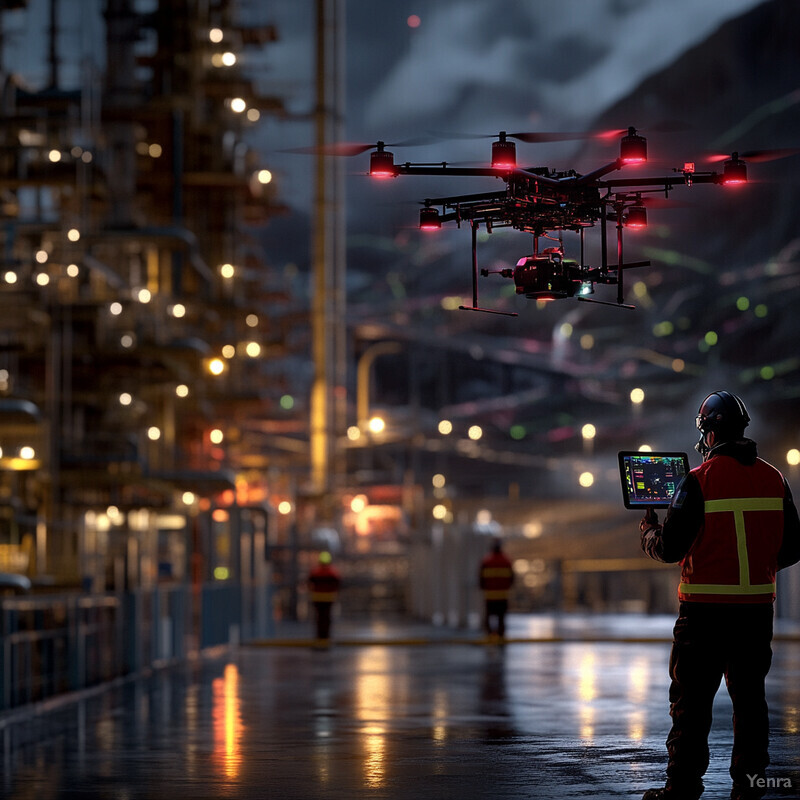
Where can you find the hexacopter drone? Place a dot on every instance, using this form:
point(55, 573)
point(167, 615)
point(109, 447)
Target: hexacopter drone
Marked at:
point(540, 200)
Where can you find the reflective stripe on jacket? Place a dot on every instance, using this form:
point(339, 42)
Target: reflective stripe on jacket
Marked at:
point(496, 577)
point(734, 557)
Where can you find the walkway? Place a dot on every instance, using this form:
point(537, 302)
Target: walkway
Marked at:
point(391, 712)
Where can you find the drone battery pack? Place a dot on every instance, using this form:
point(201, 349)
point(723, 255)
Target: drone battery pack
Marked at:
point(649, 479)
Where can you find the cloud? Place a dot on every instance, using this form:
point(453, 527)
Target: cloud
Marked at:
point(560, 62)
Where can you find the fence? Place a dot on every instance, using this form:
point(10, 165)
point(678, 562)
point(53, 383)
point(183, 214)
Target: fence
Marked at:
point(56, 644)
point(51, 644)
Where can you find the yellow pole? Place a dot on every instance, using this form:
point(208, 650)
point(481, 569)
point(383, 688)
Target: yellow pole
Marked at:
point(320, 389)
point(362, 377)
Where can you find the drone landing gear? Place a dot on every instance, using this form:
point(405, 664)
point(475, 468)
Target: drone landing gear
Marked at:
point(489, 311)
point(475, 307)
point(606, 303)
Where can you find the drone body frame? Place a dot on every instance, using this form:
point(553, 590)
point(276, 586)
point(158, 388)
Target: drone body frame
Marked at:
point(539, 201)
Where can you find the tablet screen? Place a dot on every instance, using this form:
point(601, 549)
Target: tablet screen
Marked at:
point(650, 479)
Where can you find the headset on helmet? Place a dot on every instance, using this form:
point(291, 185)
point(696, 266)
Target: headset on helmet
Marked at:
point(725, 415)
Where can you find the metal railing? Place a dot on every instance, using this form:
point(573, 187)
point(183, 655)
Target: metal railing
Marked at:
point(51, 644)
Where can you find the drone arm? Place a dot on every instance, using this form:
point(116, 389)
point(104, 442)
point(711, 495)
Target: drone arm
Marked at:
point(591, 177)
point(455, 200)
point(444, 169)
point(475, 172)
point(667, 182)
point(529, 175)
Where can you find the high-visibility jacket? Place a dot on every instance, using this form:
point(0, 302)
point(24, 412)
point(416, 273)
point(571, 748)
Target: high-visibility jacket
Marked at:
point(496, 576)
point(324, 583)
point(734, 556)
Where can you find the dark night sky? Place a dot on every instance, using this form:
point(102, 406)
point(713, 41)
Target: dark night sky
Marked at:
point(476, 66)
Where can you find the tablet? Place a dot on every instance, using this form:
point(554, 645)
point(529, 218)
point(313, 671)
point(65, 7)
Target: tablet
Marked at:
point(649, 479)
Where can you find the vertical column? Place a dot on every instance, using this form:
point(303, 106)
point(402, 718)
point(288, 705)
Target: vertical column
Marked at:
point(328, 252)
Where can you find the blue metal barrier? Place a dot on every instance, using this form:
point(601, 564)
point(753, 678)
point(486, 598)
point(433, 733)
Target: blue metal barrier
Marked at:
point(157, 626)
point(56, 644)
point(51, 644)
point(221, 614)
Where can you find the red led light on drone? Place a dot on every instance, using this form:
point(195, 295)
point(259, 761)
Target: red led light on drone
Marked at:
point(504, 153)
point(735, 171)
point(381, 163)
point(636, 217)
point(429, 219)
point(633, 148)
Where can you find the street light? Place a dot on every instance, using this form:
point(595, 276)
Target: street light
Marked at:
point(216, 366)
point(376, 425)
point(588, 432)
point(362, 377)
point(475, 432)
point(359, 503)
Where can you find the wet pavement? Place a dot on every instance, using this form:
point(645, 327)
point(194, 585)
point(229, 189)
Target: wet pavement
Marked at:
point(571, 707)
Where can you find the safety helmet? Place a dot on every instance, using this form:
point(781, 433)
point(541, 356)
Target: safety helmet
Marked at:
point(725, 415)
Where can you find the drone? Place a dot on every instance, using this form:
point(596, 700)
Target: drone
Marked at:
point(541, 201)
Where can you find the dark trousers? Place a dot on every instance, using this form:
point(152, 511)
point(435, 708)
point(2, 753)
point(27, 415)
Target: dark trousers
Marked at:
point(712, 640)
point(323, 613)
point(496, 609)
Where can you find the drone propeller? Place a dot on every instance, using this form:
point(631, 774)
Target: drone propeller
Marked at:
point(757, 156)
point(353, 148)
point(530, 137)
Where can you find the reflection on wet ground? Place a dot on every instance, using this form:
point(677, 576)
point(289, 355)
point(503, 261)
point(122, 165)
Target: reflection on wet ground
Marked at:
point(389, 720)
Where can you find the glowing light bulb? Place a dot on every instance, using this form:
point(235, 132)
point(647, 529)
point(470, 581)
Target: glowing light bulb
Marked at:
point(586, 479)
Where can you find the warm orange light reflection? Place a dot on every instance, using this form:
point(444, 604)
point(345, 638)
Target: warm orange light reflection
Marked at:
point(372, 704)
point(440, 715)
point(791, 719)
point(374, 741)
point(587, 692)
point(638, 684)
point(227, 722)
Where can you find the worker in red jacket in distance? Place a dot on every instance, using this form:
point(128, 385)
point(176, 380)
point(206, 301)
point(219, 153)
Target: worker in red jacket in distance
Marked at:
point(323, 583)
point(496, 579)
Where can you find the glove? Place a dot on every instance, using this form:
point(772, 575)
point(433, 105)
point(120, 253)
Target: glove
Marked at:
point(649, 520)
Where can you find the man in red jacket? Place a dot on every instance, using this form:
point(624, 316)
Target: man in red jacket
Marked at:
point(496, 578)
point(732, 525)
point(324, 582)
